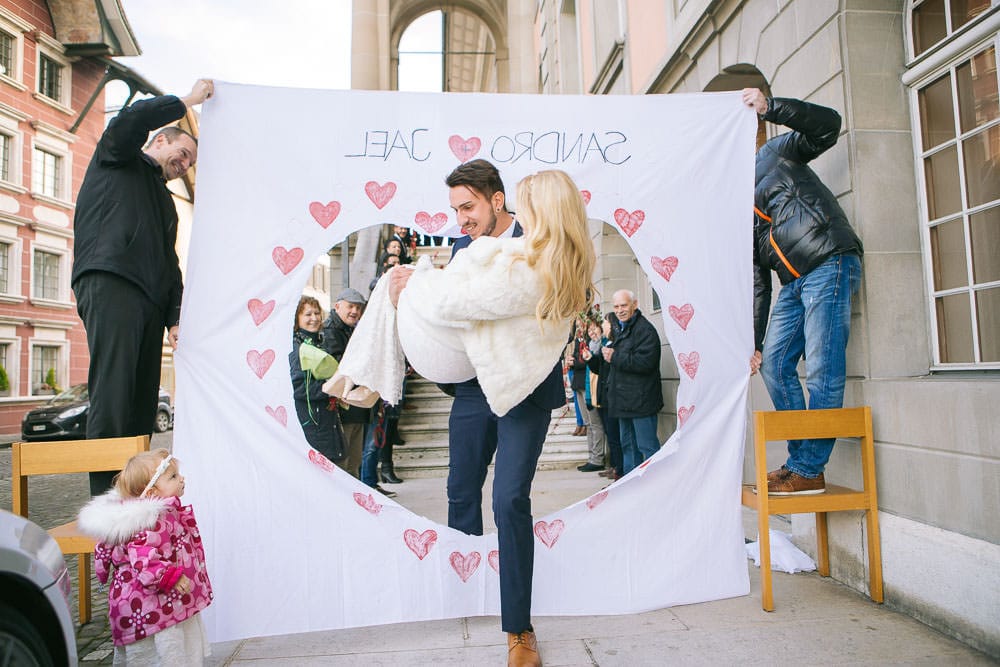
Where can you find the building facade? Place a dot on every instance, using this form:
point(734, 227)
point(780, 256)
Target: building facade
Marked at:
point(53, 61)
point(916, 170)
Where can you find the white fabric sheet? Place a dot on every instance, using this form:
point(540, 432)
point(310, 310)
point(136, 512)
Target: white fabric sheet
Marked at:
point(283, 175)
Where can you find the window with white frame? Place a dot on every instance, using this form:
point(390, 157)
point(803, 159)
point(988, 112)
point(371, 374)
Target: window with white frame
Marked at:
point(5, 278)
point(933, 21)
point(47, 279)
point(53, 74)
point(12, 29)
point(46, 365)
point(958, 145)
point(47, 173)
point(7, 45)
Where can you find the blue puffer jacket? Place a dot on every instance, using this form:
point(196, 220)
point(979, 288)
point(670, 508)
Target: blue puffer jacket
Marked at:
point(798, 223)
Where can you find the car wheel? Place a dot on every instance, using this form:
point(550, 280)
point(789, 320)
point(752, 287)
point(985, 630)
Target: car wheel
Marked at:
point(162, 421)
point(20, 641)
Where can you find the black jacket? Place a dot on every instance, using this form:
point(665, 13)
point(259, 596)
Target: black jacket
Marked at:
point(125, 221)
point(798, 223)
point(320, 421)
point(578, 365)
point(634, 375)
point(335, 336)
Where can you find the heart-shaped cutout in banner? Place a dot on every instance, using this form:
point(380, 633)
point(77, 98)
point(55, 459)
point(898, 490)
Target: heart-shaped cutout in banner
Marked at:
point(465, 566)
point(285, 259)
point(380, 194)
point(664, 266)
point(260, 362)
point(464, 149)
point(260, 310)
point(690, 363)
point(420, 543)
point(430, 223)
point(279, 413)
point(324, 214)
point(629, 222)
point(367, 501)
point(548, 533)
point(682, 315)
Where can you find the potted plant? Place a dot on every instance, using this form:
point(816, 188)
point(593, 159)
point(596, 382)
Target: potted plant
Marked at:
point(4, 382)
point(50, 386)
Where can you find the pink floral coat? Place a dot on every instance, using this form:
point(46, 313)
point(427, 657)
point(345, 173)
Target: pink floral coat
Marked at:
point(145, 546)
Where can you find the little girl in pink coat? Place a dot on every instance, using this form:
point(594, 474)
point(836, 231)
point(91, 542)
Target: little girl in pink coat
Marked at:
point(151, 551)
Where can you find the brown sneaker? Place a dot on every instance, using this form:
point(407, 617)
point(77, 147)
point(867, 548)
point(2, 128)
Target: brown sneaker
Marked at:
point(794, 484)
point(780, 473)
point(522, 650)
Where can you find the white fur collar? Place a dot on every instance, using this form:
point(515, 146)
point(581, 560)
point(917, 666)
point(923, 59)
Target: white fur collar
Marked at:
point(112, 520)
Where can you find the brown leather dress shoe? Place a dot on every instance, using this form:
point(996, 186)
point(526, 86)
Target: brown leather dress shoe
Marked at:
point(522, 650)
point(793, 484)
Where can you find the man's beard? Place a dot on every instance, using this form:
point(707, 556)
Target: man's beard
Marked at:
point(492, 224)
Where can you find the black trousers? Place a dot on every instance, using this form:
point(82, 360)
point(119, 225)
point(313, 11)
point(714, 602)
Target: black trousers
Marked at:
point(125, 338)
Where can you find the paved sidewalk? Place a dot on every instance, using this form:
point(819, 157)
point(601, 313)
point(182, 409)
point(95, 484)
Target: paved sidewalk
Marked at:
point(817, 620)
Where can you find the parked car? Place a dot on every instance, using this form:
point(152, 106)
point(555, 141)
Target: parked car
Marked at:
point(36, 623)
point(64, 416)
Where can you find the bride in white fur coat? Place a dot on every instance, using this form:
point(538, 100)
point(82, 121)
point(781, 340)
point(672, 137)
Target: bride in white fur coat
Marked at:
point(500, 311)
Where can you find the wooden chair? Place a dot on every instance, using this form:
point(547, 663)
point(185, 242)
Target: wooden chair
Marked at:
point(63, 457)
point(800, 424)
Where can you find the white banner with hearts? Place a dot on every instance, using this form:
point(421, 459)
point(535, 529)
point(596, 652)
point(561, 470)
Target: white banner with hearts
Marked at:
point(295, 544)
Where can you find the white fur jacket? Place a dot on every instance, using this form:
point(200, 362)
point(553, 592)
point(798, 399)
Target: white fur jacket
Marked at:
point(474, 318)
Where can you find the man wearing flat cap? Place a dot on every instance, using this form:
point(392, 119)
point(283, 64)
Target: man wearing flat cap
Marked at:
point(337, 330)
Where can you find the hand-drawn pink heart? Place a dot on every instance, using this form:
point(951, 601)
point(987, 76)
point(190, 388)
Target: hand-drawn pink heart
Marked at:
point(465, 566)
point(664, 266)
point(380, 194)
point(429, 223)
point(548, 533)
point(596, 499)
point(260, 310)
point(493, 558)
point(682, 315)
point(321, 461)
point(286, 260)
point(683, 413)
point(259, 362)
point(420, 543)
point(689, 362)
point(325, 214)
point(368, 503)
point(629, 222)
point(279, 413)
point(586, 196)
point(464, 149)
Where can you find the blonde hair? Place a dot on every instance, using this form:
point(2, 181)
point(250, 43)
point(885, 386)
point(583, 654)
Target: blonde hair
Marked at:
point(558, 245)
point(134, 477)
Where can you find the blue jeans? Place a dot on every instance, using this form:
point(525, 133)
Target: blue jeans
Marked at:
point(639, 441)
point(369, 457)
point(812, 318)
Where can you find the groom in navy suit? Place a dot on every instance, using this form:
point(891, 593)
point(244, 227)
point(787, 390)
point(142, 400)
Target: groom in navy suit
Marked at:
point(475, 434)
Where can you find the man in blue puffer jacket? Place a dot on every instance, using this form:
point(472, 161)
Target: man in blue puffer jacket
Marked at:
point(802, 234)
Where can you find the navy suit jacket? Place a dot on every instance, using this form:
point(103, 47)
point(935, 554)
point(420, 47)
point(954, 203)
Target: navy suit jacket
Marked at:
point(551, 393)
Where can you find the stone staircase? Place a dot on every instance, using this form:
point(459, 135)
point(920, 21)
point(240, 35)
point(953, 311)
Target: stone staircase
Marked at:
point(424, 426)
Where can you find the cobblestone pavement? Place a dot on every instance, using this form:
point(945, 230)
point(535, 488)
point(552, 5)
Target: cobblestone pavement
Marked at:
point(54, 500)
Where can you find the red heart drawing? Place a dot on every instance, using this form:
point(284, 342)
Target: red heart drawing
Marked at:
point(682, 315)
point(465, 566)
point(286, 260)
point(493, 558)
point(279, 413)
point(596, 499)
point(259, 362)
point(586, 196)
point(464, 149)
point(380, 194)
point(683, 413)
point(629, 222)
point(420, 543)
point(665, 266)
point(368, 503)
point(431, 223)
point(324, 215)
point(320, 460)
point(548, 533)
point(689, 362)
point(259, 310)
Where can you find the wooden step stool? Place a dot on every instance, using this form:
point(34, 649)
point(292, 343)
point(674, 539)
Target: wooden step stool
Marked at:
point(808, 424)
